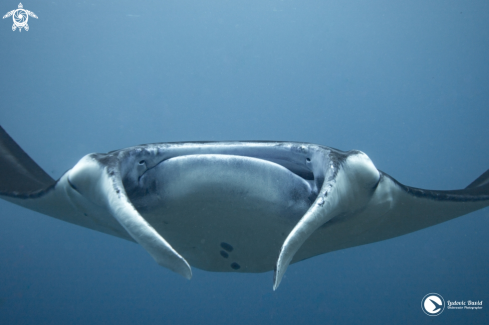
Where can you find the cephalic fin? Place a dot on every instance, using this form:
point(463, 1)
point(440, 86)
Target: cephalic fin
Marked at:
point(142, 232)
point(105, 188)
point(345, 190)
point(321, 211)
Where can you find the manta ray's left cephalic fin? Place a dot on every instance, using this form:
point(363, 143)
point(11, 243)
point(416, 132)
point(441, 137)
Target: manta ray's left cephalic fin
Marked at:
point(345, 188)
point(103, 185)
point(356, 188)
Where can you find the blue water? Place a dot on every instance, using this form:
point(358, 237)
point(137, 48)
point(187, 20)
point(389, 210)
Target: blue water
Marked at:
point(405, 82)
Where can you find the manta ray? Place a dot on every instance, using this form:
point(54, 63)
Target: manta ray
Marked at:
point(246, 206)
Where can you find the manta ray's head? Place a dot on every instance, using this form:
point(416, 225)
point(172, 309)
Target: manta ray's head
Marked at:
point(128, 165)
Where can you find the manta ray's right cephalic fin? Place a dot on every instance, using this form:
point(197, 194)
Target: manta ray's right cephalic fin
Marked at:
point(102, 184)
point(92, 186)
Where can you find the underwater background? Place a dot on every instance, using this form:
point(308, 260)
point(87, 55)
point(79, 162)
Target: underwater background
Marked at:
point(405, 82)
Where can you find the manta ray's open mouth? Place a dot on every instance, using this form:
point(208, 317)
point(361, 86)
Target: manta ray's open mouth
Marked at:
point(229, 197)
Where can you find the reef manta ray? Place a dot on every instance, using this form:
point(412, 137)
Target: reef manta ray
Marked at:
point(233, 206)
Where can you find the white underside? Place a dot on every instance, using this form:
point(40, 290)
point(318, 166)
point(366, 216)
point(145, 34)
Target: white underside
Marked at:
point(196, 203)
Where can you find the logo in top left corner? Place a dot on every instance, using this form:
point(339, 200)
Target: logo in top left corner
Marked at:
point(20, 17)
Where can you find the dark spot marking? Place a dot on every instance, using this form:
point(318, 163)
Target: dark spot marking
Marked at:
point(142, 162)
point(224, 254)
point(86, 215)
point(308, 159)
point(235, 266)
point(227, 247)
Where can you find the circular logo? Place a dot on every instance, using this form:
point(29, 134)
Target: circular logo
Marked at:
point(20, 17)
point(432, 304)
